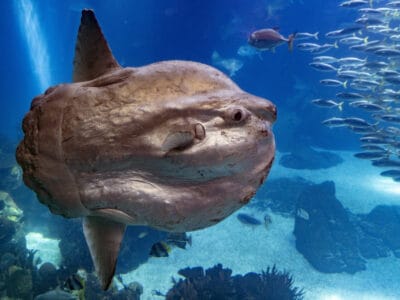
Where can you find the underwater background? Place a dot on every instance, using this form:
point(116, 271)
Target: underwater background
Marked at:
point(325, 225)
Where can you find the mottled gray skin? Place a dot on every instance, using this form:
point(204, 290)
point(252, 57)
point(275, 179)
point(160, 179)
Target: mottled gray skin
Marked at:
point(95, 148)
point(174, 145)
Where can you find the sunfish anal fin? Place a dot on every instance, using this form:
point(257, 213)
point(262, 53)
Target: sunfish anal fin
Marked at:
point(93, 56)
point(103, 237)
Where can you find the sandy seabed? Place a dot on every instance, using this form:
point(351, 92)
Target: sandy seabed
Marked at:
point(252, 249)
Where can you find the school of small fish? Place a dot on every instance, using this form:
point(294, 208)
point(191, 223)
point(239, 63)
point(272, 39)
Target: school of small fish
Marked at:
point(365, 83)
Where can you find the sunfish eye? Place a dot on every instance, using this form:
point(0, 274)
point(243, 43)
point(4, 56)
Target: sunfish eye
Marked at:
point(237, 115)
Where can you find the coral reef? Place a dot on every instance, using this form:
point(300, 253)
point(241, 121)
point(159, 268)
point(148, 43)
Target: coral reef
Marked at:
point(379, 232)
point(15, 261)
point(270, 284)
point(330, 237)
point(333, 239)
point(47, 277)
point(93, 290)
point(9, 209)
point(280, 195)
point(217, 283)
point(10, 172)
point(19, 282)
point(324, 232)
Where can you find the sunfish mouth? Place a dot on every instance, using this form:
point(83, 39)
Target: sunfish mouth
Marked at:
point(175, 145)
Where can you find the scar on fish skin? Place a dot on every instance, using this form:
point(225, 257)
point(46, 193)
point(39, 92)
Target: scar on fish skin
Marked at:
point(262, 179)
point(269, 166)
point(247, 198)
point(216, 220)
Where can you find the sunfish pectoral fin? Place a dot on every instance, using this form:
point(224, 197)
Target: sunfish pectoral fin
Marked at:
point(177, 141)
point(103, 237)
point(182, 139)
point(93, 56)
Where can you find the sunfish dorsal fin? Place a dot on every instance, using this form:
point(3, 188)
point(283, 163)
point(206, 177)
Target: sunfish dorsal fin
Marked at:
point(93, 56)
point(103, 237)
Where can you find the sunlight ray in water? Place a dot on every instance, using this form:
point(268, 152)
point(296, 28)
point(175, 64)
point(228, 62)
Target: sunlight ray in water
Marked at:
point(386, 185)
point(36, 44)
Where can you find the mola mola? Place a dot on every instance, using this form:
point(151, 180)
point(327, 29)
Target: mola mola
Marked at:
point(174, 145)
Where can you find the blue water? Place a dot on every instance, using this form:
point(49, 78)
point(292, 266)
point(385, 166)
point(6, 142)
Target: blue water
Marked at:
point(38, 43)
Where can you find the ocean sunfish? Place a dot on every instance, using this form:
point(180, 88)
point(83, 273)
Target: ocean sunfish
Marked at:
point(174, 145)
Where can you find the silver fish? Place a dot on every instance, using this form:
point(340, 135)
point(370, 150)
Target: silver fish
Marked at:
point(386, 162)
point(391, 173)
point(306, 36)
point(323, 48)
point(353, 3)
point(352, 60)
point(334, 122)
point(376, 28)
point(395, 4)
point(388, 72)
point(372, 147)
point(371, 11)
point(392, 79)
point(350, 74)
point(308, 46)
point(375, 48)
point(333, 82)
point(395, 37)
point(340, 33)
point(327, 103)
point(375, 64)
point(325, 59)
point(388, 52)
point(362, 130)
point(350, 96)
point(390, 118)
point(352, 40)
point(391, 93)
point(372, 155)
point(368, 106)
point(374, 140)
point(369, 21)
point(365, 84)
point(323, 67)
point(356, 122)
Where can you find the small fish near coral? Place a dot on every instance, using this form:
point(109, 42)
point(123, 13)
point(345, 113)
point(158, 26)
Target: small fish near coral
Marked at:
point(160, 249)
point(173, 239)
point(116, 146)
point(74, 283)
